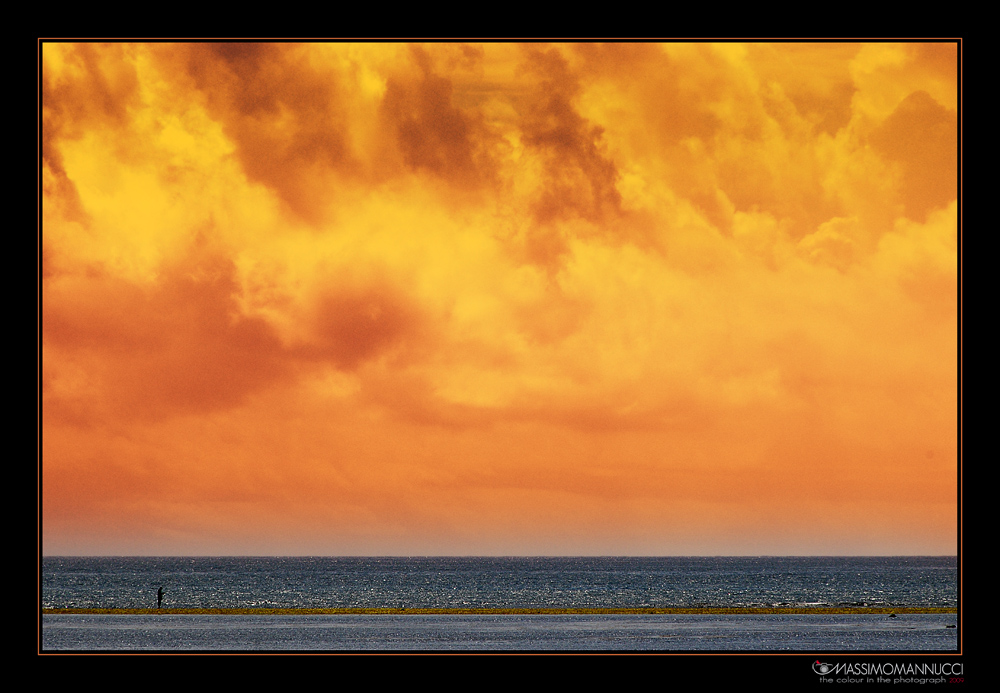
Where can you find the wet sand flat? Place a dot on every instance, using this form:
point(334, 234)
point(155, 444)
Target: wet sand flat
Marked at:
point(678, 632)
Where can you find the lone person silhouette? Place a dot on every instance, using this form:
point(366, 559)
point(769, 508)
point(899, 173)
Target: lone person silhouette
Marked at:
point(159, 597)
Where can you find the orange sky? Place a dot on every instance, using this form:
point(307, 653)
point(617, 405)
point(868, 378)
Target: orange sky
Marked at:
point(442, 299)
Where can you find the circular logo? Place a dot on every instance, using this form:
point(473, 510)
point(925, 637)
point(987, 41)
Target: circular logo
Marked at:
point(822, 667)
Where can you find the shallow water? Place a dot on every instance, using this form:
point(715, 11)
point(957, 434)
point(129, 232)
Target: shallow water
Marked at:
point(500, 583)
point(609, 582)
point(647, 632)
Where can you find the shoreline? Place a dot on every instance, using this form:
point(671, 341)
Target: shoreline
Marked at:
point(708, 611)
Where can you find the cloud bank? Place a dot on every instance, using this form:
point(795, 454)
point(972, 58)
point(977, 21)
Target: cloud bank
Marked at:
point(499, 299)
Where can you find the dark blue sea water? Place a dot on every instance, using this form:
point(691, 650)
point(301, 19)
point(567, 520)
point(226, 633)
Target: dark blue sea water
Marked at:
point(500, 583)
point(608, 582)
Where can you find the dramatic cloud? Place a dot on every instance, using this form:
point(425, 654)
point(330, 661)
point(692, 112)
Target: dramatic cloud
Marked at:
point(546, 298)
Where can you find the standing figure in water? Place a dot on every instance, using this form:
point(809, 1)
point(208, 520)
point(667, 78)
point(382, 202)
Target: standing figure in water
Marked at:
point(159, 597)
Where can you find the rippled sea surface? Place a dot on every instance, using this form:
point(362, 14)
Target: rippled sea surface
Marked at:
point(499, 583)
point(616, 582)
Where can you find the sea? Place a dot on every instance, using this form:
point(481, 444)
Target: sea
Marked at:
point(500, 583)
